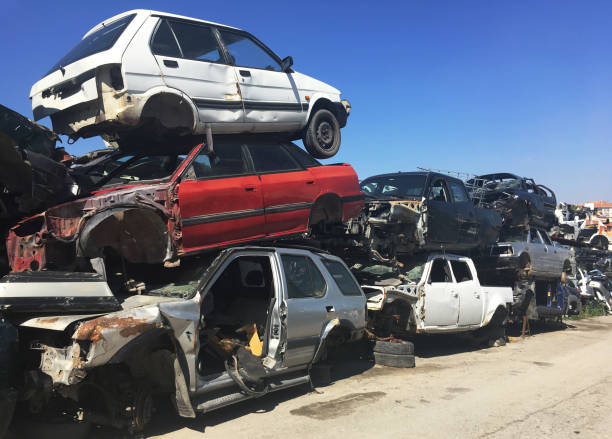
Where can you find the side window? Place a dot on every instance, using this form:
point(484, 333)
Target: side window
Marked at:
point(303, 277)
point(461, 270)
point(227, 160)
point(458, 191)
point(301, 156)
point(271, 158)
point(438, 192)
point(440, 272)
point(534, 237)
point(545, 237)
point(247, 53)
point(164, 42)
point(343, 278)
point(197, 42)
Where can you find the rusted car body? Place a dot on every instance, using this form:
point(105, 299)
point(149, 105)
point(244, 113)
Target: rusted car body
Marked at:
point(215, 331)
point(410, 212)
point(519, 200)
point(150, 208)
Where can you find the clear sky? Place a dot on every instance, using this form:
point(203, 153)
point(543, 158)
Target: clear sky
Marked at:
point(475, 86)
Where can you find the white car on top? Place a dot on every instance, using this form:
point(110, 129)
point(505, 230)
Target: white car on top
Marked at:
point(156, 70)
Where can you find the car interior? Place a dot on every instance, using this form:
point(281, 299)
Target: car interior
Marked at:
point(236, 311)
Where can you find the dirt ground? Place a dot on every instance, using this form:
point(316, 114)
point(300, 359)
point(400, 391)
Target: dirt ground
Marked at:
point(554, 383)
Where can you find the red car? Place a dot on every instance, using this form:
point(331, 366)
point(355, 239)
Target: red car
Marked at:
point(156, 207)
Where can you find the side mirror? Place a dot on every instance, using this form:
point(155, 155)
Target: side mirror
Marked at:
point(286, 63)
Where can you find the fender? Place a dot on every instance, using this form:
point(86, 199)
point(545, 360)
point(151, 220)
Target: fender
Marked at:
point(318, 96)
point(331, 324)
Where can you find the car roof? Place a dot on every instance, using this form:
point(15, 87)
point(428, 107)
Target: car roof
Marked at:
point(423, 173)
point(499, 175)
point(154, 13)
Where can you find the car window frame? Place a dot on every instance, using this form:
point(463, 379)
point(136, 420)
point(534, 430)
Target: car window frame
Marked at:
point(449, 195)
point(252, 162)
point(459, 261)
point(448, 268)
point(104, 182)
point(463, 189)
point(230, 58)
point(245, 155)
point(314, 264)
point(212, 27)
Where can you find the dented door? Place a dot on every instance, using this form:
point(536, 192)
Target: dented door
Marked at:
point(196, 66)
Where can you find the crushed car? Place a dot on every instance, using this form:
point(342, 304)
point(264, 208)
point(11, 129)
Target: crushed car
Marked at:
point(172, 74)
point(438, 293)
point(149, 206)
point(33, 175)
point(519, 200)
point(206, 335)
point(411, 212)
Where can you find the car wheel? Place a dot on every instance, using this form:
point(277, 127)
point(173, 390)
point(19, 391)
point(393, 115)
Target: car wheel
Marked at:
point(394, 360)
point(395, 348)
point(322, 136)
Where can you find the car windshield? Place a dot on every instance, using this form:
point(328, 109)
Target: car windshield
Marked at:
point(98, 41)
point(513, 235)
point(127, 168)
point(394, 186)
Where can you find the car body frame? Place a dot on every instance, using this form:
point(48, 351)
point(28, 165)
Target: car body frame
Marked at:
point(252, 321)
point(183, 75)
point(157, 207)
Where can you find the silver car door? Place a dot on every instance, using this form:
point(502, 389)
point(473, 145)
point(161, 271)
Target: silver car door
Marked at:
point(271, 98)
point(537, 252)
point(191, 61)
point(555, 264)
point(441, 301)
point(306, 307)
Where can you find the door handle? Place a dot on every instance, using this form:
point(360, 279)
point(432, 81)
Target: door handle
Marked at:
point(310, 182)
point(170, 63)
point(455, 295)
point(477, 295)
point(250, 188)
point(245, 73)
point(330, 308)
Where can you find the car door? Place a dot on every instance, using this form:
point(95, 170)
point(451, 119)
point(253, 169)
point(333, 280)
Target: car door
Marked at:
point(441, 218)
point(470, 299)
point(220, 199)
point(307, 307)
point(538, 253)
point(271, 98)
point(468, 226)
point(554, 264)
point(289, 190)
point(441, 300)
point(191, 61)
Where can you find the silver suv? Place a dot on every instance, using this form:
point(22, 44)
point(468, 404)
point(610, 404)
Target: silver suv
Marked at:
point(251, 322)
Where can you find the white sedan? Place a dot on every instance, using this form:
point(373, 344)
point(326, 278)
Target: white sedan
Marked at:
point(182, 75)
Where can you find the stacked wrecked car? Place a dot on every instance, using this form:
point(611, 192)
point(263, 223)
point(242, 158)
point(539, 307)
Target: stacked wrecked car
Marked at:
point(205, 258)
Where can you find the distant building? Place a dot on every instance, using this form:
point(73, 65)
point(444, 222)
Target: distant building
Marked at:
point(600, 208)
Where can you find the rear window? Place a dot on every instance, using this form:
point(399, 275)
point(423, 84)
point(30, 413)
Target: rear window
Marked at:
point(99, 41)
point(343, 278)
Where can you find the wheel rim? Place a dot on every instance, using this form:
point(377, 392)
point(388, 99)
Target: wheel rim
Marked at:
point(325, 134)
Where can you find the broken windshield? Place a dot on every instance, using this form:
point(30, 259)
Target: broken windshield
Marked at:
point(98, 41)
point(397, 186)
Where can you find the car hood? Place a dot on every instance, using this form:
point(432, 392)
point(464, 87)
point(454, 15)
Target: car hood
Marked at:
point(309, 84)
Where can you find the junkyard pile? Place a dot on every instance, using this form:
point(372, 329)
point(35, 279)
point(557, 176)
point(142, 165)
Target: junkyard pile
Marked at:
point(206, 258)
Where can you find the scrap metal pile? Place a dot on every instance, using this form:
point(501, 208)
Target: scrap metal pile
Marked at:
point(207, 258)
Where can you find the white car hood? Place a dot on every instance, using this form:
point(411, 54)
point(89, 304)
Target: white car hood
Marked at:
point(307, 83)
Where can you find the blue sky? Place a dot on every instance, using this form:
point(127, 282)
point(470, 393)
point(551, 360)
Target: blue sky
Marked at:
point(474, 86)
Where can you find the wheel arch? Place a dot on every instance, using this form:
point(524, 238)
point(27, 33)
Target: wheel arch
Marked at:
point(327, 206)
point(166, 99)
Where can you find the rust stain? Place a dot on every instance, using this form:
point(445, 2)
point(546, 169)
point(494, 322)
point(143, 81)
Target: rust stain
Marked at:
point(92, 330)
point(43, 320)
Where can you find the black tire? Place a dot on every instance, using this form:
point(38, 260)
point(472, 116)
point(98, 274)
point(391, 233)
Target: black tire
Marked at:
point(393, 360)
point(395, 348)
point(322, 135)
